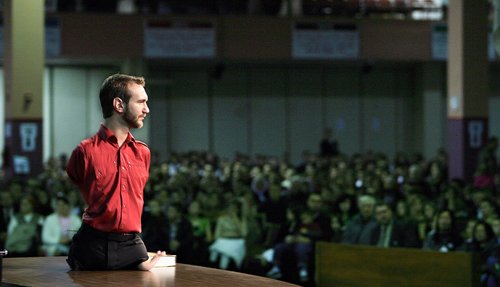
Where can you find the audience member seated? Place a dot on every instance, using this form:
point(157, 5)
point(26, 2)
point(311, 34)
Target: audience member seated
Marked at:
point(444, 237)
point(260, 188)
point(487, 169)
point(336, 226)
point(485, 243)
point(43, 201)
point(202, 233)
point(230, 232)
point(180, 235)
point(294, 257)
point(391, 232)
point(344, 208)
point(487, 211)
point(495, 225)
point(155, 231)
point(58, 229)
point(467, 232)
point(483, 240)
point(16, 191)
point(6, 213)
point(417, 215)
point(274, 211)
point(359, 229)
point(436, 178)
point(23, 232)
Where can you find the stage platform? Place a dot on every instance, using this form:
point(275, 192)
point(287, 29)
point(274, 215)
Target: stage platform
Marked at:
point(53, 271)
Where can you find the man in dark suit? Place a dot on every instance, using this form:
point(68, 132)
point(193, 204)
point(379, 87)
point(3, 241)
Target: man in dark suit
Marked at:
point(358, 230)
point(391, 232)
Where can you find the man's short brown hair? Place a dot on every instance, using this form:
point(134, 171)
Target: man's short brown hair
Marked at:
point(116, 86)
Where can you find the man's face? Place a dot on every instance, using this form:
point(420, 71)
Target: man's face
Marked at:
point(63, 208)
point(26, 206)
point(495, 224)
point(366, 209)
point(172, 214)
point(5, 199)
point(154, 207)
point(444, 221)
point(383, 214)
point(137, 108)
point(314, 202)
point(274, 193)
point(345, 205)
point(486, 207)
point(480, 233)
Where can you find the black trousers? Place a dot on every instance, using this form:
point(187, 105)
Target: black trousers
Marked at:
point(92, 249)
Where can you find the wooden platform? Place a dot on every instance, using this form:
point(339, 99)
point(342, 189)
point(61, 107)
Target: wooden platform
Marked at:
point(53, 271)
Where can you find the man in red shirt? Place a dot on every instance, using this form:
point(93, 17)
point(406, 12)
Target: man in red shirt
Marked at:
point(111, 169)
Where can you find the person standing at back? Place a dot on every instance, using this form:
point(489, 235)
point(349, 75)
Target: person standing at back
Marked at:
point(328, 147)
point(111, 169)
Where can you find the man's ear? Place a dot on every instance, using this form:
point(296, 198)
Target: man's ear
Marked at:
point(119, 105)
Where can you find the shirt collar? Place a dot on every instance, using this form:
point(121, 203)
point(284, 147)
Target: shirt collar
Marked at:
point(106, 135)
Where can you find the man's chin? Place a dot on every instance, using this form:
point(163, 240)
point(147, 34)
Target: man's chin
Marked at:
point(136, 125)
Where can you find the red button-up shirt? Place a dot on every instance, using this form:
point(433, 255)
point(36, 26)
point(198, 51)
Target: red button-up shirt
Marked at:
point(111, 180)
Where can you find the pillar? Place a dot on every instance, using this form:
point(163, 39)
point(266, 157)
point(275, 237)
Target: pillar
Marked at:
point(467, 85)
point(23, 77)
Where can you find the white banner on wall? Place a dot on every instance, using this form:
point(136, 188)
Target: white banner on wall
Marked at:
point(167, 39)
point(440, 43)
point(325, 41)
point(475, 130)
point(28, 133)
point(21, 164)
point(52, 38)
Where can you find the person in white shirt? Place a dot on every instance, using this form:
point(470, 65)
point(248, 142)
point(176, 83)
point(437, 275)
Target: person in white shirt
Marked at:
point(58, 229)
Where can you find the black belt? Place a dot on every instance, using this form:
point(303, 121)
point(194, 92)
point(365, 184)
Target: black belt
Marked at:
point(115, 236)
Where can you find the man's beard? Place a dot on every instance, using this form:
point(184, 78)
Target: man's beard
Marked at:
point(131, 121)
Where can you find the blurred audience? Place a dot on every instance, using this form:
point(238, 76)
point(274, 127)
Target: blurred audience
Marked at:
point(254, 214)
